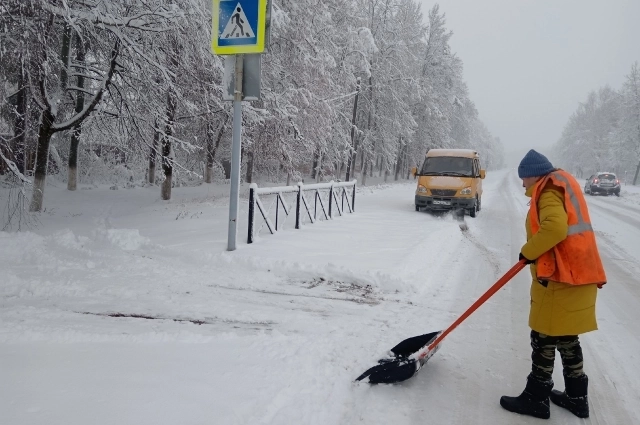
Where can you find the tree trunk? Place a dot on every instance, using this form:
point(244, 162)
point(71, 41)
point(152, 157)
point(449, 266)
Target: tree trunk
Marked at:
point(77, 130)
point(249, 175)
point(354, 142)
point(319, 168)
point(398, 159)
point(406, 160)
point(64, 57)
point(635, 178)
point(212, 149)
point(314, 166)
point(363, 167)
point(172, 105)
point(365, 156)
point(42, 157)
point(167, 163)
point(21, 120)
point(208, 170)
point(151, 177)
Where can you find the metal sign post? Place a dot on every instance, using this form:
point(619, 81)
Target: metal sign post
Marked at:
point(239, 27)
point(235, 156)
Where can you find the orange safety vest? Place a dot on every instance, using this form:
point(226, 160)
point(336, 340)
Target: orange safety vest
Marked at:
point(575, 260)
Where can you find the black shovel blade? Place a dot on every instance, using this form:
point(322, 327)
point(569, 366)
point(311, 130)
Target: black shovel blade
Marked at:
point(399, 366)
point(390, 372)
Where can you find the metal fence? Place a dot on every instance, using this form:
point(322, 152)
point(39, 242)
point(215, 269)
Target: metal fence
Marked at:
point(329, 200)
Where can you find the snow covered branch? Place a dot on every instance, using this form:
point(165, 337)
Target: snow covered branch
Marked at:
point(78, 118)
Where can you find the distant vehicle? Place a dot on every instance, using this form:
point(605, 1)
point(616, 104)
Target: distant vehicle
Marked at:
point(604, 183)
point(450, 179)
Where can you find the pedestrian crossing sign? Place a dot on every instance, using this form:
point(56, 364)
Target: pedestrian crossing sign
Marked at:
point(238, 26)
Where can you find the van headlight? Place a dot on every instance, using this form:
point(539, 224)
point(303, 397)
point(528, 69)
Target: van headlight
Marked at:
point(422, 189)
point(466, 191)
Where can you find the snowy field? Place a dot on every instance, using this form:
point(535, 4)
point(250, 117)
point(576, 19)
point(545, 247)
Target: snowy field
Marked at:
point(122, 308)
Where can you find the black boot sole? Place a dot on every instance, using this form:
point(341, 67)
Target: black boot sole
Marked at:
point(509, 405)
point(566, 405)
point(561, 400)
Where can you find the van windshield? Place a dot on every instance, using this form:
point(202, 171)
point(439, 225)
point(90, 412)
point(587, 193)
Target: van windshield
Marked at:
point(447, 166)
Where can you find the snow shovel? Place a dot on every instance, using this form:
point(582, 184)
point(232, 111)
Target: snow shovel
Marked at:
point(405, 359)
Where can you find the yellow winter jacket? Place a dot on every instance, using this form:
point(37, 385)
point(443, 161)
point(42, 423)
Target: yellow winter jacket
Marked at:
point(559, 308)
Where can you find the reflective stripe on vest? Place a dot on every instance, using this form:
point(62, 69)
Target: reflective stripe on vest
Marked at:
point(582, 225)
point(575, 260)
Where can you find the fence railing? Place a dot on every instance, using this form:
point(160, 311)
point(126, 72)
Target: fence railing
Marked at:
point(330, 197)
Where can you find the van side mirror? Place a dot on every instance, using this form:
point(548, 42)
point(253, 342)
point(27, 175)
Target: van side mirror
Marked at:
point(483, 174)
point(414, 171)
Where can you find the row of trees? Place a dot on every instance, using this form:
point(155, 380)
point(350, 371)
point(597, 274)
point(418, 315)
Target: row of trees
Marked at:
point(604, 133)
point(100, 91)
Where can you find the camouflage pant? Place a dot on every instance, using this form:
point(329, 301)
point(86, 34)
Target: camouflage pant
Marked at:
point(544, 352)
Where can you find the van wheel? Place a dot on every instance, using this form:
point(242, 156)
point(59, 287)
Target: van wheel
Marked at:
point(417, 208)
point(474, 210)
point(479, 202)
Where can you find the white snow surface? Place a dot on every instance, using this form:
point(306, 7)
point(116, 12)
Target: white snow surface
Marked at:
point(276, 331)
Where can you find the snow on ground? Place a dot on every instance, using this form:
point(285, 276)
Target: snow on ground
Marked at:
point(122, 308)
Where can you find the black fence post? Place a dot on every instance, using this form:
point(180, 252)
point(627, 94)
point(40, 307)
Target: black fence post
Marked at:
point(330, 199)
point(353, 198)
point(251, 211)
point(298, 202)
point(277, 205)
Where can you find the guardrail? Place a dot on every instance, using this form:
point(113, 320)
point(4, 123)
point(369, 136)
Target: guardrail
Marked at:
point(331, 197)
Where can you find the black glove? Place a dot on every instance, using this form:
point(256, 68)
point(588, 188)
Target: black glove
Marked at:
point(526, 260)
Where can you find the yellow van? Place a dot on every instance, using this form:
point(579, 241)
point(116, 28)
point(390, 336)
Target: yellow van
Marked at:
point(450, 179)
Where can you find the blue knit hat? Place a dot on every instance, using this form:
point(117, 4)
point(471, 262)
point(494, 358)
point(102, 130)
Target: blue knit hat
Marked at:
point(534, 164)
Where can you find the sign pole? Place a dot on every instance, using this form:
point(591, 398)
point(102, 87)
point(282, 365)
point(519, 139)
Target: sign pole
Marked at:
point(239, 27)
point(235, 155)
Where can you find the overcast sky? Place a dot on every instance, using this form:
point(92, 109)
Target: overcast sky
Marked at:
point(529, 63)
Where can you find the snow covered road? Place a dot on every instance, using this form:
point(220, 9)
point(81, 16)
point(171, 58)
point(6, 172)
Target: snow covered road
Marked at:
point(275, 332)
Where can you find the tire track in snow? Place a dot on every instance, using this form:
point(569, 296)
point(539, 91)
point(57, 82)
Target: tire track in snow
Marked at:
point(616, 203)
point(362, 300)
point(488, 255)
point(620, 216)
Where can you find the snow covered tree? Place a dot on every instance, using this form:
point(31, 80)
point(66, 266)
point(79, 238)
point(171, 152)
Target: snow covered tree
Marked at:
point(629, 133)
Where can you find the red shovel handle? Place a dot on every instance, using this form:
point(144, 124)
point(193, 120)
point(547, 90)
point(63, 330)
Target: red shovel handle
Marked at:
point(499, 284)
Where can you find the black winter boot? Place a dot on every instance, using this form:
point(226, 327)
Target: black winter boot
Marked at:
point(574, 397)
point(534, 400)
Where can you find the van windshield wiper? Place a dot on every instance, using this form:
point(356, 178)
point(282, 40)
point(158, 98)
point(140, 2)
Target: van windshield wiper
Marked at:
point(444, 173)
